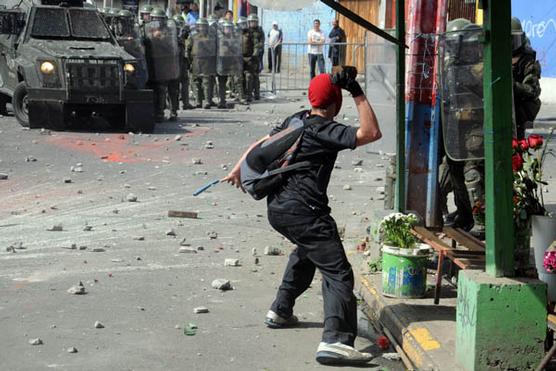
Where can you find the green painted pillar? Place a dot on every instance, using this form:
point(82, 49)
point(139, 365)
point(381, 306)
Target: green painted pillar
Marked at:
point(400, 108)
point(498, 136)
point(501, 322)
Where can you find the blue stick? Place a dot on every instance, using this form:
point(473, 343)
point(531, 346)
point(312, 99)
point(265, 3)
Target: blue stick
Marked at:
point(205, 187)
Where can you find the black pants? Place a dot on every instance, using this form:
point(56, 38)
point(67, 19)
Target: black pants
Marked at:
point(461, 196)
point(315, 59)
point(275, 58)
point(318, 246)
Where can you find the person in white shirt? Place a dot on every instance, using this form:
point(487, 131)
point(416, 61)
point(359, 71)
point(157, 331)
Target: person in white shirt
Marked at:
point(316, 40)
point(275, 39)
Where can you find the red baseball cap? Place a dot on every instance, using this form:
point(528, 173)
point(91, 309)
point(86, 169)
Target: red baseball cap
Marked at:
point(322, 92)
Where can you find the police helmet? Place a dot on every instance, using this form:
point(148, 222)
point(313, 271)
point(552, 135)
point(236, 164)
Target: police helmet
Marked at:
point(457, 24)
point(158, 13)
point(211, 19)
point(201, 25)
point(518, 36)
point(253, 20)
point(125, 13)
point(242, 23)
point(146, 9)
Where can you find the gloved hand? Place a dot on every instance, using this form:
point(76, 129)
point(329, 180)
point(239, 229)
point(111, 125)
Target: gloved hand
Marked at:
point(354, 88)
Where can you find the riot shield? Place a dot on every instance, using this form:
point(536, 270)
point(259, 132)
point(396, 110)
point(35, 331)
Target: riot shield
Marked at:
point(229, 60)
point(461, 88)
point(203, 53)
point(161, 44)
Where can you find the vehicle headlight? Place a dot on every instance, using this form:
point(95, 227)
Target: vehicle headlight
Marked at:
point(129, 68)
point(48, 68)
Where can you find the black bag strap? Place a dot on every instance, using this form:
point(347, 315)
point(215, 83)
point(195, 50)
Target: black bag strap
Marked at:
point(295, 166)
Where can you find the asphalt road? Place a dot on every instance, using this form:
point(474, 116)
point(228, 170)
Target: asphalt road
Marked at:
point(139, 286)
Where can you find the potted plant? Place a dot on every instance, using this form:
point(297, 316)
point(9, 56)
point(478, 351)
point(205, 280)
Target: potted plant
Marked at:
point(533, 225)
point(404, 260)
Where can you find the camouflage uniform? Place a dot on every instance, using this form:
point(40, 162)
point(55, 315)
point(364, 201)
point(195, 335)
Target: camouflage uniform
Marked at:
point(202, 42)
point(183, 35)
point(258, 52)
point(245, 81)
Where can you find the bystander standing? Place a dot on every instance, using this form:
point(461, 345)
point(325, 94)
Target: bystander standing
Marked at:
point(193, 15)
point(316, 40)
point(275, 38)
point(337, 53)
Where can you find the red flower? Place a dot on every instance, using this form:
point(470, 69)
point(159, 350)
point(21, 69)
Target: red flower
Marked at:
point(514, 144)
point(517, 162)
point(523, 144)
point(535, 141)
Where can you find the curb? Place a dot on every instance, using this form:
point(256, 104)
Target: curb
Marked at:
point(413, 339)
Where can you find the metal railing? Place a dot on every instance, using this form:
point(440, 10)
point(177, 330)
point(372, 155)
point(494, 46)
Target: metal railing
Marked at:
point(294, 73)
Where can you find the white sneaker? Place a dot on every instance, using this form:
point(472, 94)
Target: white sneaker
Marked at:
point(341, 354)
point(273, 320)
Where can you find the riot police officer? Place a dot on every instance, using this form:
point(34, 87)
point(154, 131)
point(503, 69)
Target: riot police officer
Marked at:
point(201, 50)
point(214, 26)
point(526, 74)
point(258, 52)
point(462, 124)
point(128, 35)
point(245, 81)
point(183, 35)
point(161, 43)
point(229, 58)
point(145, 14)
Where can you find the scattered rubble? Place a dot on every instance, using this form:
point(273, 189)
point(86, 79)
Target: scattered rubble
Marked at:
point(269, 250)
point(139, 238)
point(36, 341)
point(177, 138)
point(357, 162)
point(171, 232)
point(197, 161)
point(131, 197)
point(231, 263)
point(3, 176)
point(221, 284)
point(187, 250)
point(77, 289)
point(182, 214)
point(212, 235)
point(98, 324)
point(347, 187)
point(200, 310)
point(56, 228)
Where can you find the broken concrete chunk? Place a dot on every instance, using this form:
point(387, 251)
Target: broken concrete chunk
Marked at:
point(269, 250)
point(357, 162)
point(36, 341)
point(358, 170)
point(380, 190)
point(77, 289)
point(221, 284)
point(131, 197)
point(347, 187)
point(231, 262)
point(56, 228)
point(200, 310)
point(171, 232)
point(254, 251)
point(139, 238)
point(98, 249)
point(3, 176)
point(182, 214)
point(197, 161)
point(72, 350)
point(98, 324)
point(177, 138)
point(212, 235)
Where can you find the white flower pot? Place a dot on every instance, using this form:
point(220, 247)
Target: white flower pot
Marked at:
point(543, 233)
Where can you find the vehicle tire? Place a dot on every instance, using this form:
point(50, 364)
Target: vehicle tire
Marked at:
point(20, 105)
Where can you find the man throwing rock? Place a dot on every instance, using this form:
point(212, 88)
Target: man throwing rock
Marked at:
point(299, 211)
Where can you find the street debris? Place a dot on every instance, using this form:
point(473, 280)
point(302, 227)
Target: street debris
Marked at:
point(347, 187)
point(139, 238)
point(200, 310)
point(197, 161)
point(182, 214)
point(212, 235)
point(187, 250)
point(77, 289)
point(221, 284)
point(87, 228)
point(190, 329)
point(269, 250)
point(171, 232)
point(72, 350)
point(98, 324)
point(98, 249)
point(254, 251)
point(231, 263)
point(36, 341)
point(177, 138)
point(131, 197)
point(357, 162)
point(391, 356)
point(3, 176)
point(56, 228)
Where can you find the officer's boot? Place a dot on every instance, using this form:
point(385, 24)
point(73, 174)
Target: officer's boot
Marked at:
point(173, 94)
point(185, 93)
point(222, 92)
point(207, 92)
point(160, 102)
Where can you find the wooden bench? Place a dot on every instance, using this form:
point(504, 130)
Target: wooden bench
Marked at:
point(472, 257)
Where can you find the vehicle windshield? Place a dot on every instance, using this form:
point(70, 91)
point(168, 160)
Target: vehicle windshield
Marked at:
point(125, 28)
point(63, 23)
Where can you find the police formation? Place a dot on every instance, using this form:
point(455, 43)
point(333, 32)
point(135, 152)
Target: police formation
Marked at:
point(213, 58)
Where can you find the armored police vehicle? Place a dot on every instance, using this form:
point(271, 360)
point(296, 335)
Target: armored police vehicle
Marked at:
point(59, 61)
